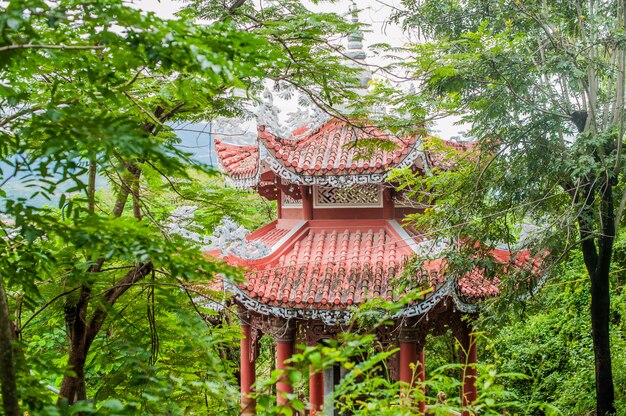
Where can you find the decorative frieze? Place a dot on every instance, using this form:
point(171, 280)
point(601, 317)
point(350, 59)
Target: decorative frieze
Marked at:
point(360, 196)
point(338, 181)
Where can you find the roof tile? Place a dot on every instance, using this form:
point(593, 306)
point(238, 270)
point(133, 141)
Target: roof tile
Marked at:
point(333, 265)
point(239, 162)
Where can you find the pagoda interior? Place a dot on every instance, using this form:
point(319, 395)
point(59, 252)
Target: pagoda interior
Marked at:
point(338, 242)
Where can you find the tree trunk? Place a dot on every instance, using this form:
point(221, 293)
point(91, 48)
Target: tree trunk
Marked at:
point(82, 332)
point(598, 263)
point(73, 387)
point(10, 399)
point(601, 304)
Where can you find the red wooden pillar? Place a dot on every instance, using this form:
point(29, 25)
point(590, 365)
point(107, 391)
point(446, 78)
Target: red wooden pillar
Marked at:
point(284, 335)
point(408, 356)
point(247, 371)
point(468, 358)
point(469, 372)
point(316, 390)
point(388, 204)
point(412, 352)
point(307, 202)
point(279, 199)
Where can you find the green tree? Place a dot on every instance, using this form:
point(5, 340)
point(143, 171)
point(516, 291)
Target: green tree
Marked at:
point(101, 81)
point(542, 86)
point(89, 92)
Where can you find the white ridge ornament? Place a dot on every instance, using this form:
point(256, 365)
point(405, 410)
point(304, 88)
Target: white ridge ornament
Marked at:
point(228, 237)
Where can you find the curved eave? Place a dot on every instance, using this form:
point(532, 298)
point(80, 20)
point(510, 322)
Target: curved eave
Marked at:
point(343, 180)
point(241, 164)
point(242, 183)
point(343, 316)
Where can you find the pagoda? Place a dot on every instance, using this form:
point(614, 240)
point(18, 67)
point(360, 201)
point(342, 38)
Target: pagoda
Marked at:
point(338, 242)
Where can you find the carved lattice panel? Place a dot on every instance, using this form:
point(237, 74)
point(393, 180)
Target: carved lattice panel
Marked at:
point(289, 202)
point(369, 195)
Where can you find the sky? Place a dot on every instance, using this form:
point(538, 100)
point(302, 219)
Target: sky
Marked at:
point(372, 12)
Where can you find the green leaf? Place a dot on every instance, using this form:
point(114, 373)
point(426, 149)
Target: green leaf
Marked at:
point(112, 404)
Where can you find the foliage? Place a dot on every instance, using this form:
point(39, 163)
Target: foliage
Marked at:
point(366, 388)
point(542, 86)
point(88, 95)
point(550, 341)
point(310, 62)
point(125, 318)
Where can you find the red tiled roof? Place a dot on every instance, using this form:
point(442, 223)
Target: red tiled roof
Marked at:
point(326, 151)
point(330, 265)
point(473, 285)
point(330, 150)
point(334, 264)
point(240, 162)
point(271, 233)
point(441, 153)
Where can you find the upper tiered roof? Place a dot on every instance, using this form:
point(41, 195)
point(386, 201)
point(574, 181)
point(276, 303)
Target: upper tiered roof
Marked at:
point(327, 155)
point(318, 269)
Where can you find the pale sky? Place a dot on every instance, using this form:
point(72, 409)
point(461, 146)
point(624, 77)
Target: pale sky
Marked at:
point(372, 12)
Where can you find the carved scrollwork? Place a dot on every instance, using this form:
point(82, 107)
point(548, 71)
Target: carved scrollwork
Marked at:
point(292, 191)
point(313, 333)
point(268, 190)
point(428, 303)
point(283, 330)
point(386, 334)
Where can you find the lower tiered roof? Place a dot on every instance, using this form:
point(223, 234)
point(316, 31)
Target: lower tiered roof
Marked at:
point(331, 265)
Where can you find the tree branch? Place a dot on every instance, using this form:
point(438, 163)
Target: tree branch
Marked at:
point(112, 295)
point(62, 47)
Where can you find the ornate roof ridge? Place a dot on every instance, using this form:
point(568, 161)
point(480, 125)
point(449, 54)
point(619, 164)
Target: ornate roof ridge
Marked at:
point(325, 156)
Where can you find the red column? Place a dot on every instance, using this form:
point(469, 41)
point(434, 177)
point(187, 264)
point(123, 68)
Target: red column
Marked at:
point(284, 351)
point(408, 356)
point(247, 371)
point(279, 204)
point(412, 352)
point(388, 204)
point(469, 359)
point(284, 335)
point(316, 390)
point(307, 202)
